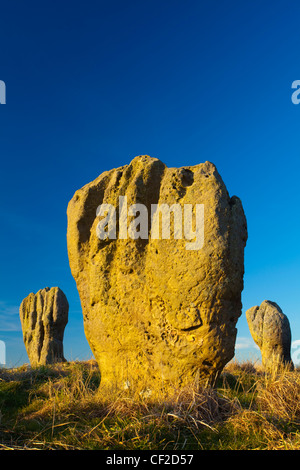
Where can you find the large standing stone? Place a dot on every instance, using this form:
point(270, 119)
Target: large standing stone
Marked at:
point(44, 316)
point(153, 309)
point(270, 329)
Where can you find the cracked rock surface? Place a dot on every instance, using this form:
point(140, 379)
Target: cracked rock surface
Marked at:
point(153, 310)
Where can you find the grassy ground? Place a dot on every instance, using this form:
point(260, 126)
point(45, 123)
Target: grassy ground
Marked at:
point(61, 407)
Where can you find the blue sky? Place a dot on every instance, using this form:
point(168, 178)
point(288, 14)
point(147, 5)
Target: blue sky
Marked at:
point(92, 84)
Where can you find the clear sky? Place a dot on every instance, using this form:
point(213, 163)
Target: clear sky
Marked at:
point(90, 85)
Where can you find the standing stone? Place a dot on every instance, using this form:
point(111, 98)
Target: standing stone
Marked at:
point(44, 316)
point(270, 329)
point(155, 311)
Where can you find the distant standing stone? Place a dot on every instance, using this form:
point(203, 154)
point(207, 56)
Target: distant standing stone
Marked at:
point(270, 329)
point(44, 316)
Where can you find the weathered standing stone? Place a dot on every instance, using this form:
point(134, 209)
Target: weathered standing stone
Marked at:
point(153, 310)
point(270, 329)
point(44, 316)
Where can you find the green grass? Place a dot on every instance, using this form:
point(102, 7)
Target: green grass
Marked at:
point(63, 407)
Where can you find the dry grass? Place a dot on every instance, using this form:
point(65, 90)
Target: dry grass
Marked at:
point(62, 407)
point(278, 395)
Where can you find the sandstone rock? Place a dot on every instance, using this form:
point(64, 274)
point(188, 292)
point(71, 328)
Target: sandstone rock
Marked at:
point(44, 316)
point(155, 310)
point(270, 329)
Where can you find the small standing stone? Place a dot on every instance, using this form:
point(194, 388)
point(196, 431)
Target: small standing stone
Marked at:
point(270, 329)
point(44, 316)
